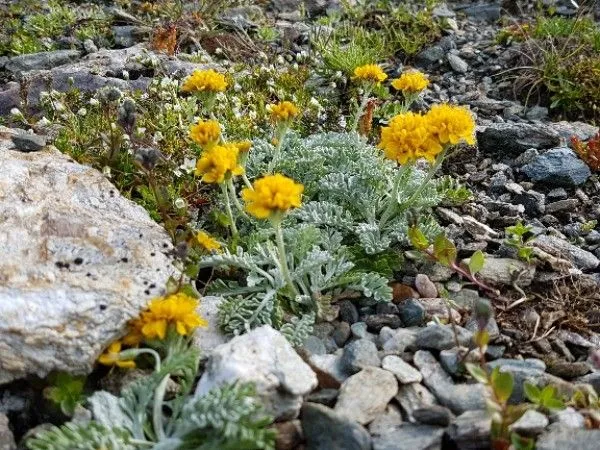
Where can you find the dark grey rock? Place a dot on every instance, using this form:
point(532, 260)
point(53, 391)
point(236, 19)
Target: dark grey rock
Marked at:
point(360, 354)
point(324, 429)
point(534, 202)
point(7, 441)
point(489, 12)
point(458, 397)
point(562, 438)
point(441, 337)
point(409, 436)
point(558, 167)
point(569, 370)
point(42, 60)
point(10, 97)
point(129, 35)
point(512, 139)
point(537, 113)
point(348, 312)
point(359, 330)
point(583, 131)
point(436, 415)
point(412, 313)
point(430, 57)
point(314, 346)
point(376, 322)
point(325, 397)
point(341, 334)
point(569, 204)
point(593, 379)
point(330, 370)
point(471, 431)
point(398, 340)
point(27, 142)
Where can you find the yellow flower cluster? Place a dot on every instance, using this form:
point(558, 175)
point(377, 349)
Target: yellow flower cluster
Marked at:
point(110, 357)
point(411, 82)
point(410, 136)
point(205, 132)
point(371, 73)
point(272, 194)
point(208, 242)
point(176, 310)
point(205, 81)
point(283, 112)
point(451, 124)
point(219, 162)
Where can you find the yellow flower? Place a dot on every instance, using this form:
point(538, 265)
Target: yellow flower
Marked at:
point(451, 124)
point(283, 112)
point(242, 146)
point(272, 194)
point(209, 243)
point(111, 357)
point(218, 163)
point(205, 132)
point(177, 310)
point(408, 137)
point(411, 82)
point(204, 81)
point(370, 72)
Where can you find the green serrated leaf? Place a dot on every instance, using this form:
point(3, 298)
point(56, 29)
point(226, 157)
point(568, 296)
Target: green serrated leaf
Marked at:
point(476, 262)
point(444, 250)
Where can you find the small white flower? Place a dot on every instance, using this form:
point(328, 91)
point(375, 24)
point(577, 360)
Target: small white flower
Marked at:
point(59, 107)
point(237, 87)
point(82, 112)
point(125, 75)
point(93, 102)
point(106, 171)
point(188, 165)
point(158, 136)
point(43, 122)
point(295, 66)
point(177, 107)
point(16, 112)
point(280, 60)
point(218, 51)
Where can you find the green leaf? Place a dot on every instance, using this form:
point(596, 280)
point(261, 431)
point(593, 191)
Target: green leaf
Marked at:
point(476, 262)
point(417, 238)
point(554, 403)
point(532, 392)
point(477, 372)
point(503, 384)
point(547, 394)
point(522, 443)
point(444, 250)
point(481, 338)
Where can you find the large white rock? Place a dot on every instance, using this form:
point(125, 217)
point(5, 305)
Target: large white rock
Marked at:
point(263, 357)
point(77, 262)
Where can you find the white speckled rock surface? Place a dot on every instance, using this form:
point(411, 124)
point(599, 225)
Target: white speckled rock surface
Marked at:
point(77, 262)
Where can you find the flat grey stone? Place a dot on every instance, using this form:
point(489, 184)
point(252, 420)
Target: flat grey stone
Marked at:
point(42, 60)
point(531, 423)
point(556, 246)
point(568, 438)
point(404, 372)
point(558, 167)
point(471, 430)
point(412, 397)
point(366, 394)
point(360, 354)
point(441, 337)
point(27, 142)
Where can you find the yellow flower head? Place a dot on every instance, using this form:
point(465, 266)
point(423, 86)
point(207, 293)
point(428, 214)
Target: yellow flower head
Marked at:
point(451, 124)
point(204, 81)
point(408, 137)
point(111, 357)
point(243, 146)
point(205, 132)
point(207, 242)
point(371, 73)
point(411, 82)
point(283, 112)
point(218, 163)
point(177, 310)
point(272, 194)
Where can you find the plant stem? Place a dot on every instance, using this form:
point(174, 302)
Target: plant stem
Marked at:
point(234, 230)
point(283, 256)
point(280, 133)
point(134, 352)
point(393, 201)
point(363, 104)
point(157, 413)
point(247, 182)
point(236, 202)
